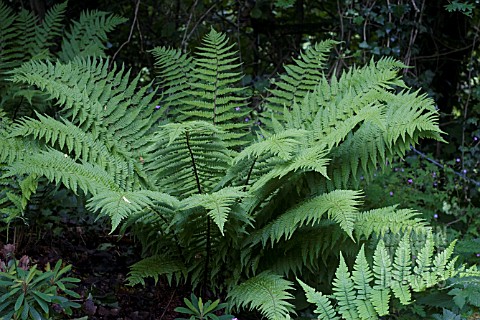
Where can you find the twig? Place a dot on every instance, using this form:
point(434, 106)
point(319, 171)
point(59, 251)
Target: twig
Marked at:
point(168, 304)
point(130, 35)
point(185, 39)
point(438, 164)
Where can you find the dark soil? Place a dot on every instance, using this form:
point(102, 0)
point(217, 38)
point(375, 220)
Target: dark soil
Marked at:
point(101, 262)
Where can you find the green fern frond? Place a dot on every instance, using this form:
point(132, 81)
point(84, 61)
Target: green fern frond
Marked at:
point(339, 205)
point(343, 291)
point(12, 149)
point(349, 114)
point(78, 144)
point(324, 305)
point(51, 26)
point(217, 204)
point(266, 292)
point(118, 205)
point(300, 77)
point(153, 267)
point(388, 220)
point(10, 56)
point(213, 96)
point(377, 75)
point(401, 271)
point(282, 145)
point(187, 158)
point(97, 100)
point(88, 36)
point(173, 75)
point(362, 276)
point(382, 270)
point(422, 277)
point(60, 168)
point(366, 293)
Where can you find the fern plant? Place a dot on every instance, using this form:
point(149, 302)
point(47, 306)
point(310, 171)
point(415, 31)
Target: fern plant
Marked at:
point(366, 292)
point(24, 39)
point(213, 203)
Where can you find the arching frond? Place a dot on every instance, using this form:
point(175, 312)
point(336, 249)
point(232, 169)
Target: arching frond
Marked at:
point(154, 267)
point(340, 206)
point(118, 205)
point(388, 219)
point(60, 168)
point(266, 292)
point(97, 100)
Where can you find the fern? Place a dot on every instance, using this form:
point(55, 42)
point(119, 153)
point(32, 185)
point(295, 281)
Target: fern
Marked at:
point(87, 37)
point(23, 38)
point(153, 267)
point(182, 149)
point(301, 77)
point(266, 292)
point(210, 78)
point(211, 204)
point(366, 292)
point(339, 205)
point(174, 74)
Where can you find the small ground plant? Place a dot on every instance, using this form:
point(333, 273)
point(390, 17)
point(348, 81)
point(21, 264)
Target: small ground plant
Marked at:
point(29, 293)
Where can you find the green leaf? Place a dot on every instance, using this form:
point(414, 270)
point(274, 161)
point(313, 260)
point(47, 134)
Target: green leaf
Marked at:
point(19, 301)
point(41, 302)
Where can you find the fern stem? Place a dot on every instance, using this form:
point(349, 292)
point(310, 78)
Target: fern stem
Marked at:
point(249, 174)
point(194, 166)
point(177, 241)
point(207, 258)
point(208, 235)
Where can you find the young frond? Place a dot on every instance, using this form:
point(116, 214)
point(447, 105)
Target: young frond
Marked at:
point(365, 294)
point(401, 271)
point(88, 35)
point(382, 270)
point(343, 291)
point(324, 309)
point(362, 276)
point(266, 292)
point(155, 266)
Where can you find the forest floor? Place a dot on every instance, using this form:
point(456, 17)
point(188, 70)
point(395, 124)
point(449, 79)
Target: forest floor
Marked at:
point(101, 262)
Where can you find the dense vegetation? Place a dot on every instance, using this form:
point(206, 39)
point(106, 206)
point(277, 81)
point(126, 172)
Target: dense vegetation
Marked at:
point(304, 175)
